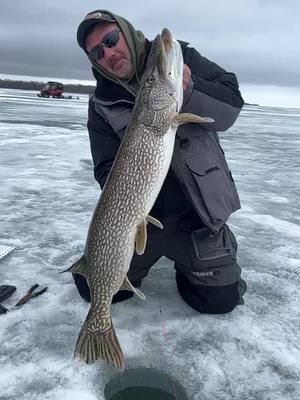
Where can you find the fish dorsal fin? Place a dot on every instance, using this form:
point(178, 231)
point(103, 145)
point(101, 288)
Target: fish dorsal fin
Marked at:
point(154, 221)
point(77, 268)
point(141, 238)
point(188, 117)
point(128, 286)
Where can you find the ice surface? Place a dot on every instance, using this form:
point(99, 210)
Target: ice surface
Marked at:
point(47, 198)
point(269, 95)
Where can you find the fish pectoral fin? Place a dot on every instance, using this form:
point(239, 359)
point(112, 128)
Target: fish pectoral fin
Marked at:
point(188, 117)
point(77, 268)
point(154, 221)
point(141, 238)
point(128, 286)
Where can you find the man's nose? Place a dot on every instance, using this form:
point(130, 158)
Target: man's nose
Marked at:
point(108, 52)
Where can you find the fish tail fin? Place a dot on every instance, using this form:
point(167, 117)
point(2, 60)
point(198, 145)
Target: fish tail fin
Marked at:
point(105, 345)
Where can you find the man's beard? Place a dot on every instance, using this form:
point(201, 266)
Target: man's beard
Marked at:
point(122, 68)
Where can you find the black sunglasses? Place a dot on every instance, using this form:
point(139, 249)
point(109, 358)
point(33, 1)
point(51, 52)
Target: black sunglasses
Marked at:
point(109, 40)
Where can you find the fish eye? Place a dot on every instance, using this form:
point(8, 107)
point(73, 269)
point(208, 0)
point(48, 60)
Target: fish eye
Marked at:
point(151, 79)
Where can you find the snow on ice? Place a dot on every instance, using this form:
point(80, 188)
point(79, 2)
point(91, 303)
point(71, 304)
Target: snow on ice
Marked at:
point(48, 195)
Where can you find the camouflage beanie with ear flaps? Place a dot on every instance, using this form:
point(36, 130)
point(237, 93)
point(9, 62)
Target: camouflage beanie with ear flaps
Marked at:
point(135, 41)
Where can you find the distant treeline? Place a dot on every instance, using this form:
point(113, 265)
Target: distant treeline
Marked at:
point(34, 85)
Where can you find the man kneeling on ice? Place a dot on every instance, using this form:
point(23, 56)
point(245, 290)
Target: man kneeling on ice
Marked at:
point(198, 194)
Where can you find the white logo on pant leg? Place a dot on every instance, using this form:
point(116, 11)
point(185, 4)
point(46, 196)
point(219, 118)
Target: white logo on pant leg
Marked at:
point(206, 273)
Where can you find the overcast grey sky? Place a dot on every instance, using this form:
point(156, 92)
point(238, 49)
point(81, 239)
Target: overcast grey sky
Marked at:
point(256, 39)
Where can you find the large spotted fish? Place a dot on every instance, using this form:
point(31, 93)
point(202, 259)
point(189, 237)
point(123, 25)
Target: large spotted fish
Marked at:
point(119, 223)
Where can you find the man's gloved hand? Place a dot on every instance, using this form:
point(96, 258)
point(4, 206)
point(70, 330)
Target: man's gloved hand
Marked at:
point(186, 76)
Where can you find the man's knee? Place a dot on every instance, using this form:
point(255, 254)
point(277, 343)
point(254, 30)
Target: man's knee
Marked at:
point(211, 282)
point(208, 299)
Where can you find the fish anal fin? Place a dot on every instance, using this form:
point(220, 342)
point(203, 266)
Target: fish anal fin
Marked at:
point(79, 267)
point(154, 221)
point(128, 286)
point(141, 238)
point(188, 117)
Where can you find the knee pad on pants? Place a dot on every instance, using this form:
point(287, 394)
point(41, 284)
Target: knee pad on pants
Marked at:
point(208, 299)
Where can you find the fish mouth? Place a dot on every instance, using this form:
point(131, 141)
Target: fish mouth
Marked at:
point(163, 72)
point(164, 55)
point(164, 46)
point(166, 38)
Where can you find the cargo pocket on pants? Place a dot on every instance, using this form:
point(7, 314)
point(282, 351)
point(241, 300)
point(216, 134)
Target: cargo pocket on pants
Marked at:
point(215, 257)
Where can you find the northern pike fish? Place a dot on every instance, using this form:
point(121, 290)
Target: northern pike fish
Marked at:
point(119, 223)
